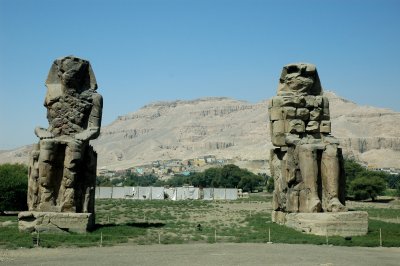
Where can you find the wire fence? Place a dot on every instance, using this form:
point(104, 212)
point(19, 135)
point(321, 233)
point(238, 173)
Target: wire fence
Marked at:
point(159, 237)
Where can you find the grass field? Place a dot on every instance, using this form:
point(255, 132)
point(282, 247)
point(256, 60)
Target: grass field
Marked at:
point(176, 222)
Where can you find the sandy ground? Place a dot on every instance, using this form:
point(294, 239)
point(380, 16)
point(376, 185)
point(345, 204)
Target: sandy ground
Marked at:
point(204, 254)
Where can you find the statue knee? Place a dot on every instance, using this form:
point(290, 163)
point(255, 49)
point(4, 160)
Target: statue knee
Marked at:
point(69, 178)
point(47, 150)
point(73, 156)
point(331, 150)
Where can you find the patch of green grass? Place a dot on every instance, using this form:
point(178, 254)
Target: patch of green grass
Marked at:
point(390, 236)
point(174, 222)
point(391, 192)
point(8, 218)
point(11, 238)
point(283, 234)
point(385, 213)
point(256, 197)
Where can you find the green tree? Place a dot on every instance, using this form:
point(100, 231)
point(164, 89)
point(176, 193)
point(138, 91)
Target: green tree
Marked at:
point(398, 190)
point(117, 181)
point(230, 176)
point(364, 187)
point(270, 184)
point(179, 180)
point(13, 187)
point(352, 170)
point(374, 181)
point(138, 180)
point(211, 177)
point(227, 176)
point(393, 181)
point(103, 181)
point(250, 182)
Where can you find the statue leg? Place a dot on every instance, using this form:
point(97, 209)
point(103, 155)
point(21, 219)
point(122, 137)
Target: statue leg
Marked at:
point(330, 173)
point(90, 180)
point(33, 178)
point(47, 173)
point(73, 158)
point(308, 161)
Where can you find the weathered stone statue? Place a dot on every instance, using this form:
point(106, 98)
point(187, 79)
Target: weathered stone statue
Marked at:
point(62, 172)
point(307, 163)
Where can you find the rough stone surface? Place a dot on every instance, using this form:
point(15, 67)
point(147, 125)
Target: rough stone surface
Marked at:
point(307, 163)
point(328, 223)
point(62, 168)
point(55, 222)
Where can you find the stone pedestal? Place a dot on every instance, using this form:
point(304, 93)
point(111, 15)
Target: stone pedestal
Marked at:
point(55, 222)
point(354, 223)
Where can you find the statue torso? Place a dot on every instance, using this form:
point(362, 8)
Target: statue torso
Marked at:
point(68, 114)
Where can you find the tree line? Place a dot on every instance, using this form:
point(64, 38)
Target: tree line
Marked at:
point(13, 187)
point(228, 176)
point(361, 183)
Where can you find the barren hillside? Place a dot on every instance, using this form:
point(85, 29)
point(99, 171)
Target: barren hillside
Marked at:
point(231, 129)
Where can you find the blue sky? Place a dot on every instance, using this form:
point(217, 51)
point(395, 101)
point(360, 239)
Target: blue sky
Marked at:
point(151, 50)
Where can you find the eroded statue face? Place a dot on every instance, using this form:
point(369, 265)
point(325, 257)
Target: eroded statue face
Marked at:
point(72, 72)
point(299, 79)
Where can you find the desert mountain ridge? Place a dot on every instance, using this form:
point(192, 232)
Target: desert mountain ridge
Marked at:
point(231, 129)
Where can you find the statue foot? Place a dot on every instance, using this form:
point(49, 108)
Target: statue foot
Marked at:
point(48, 207)
point(336, 206)
point(315, 205)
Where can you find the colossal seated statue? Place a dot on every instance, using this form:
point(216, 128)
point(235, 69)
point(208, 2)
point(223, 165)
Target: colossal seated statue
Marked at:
point(62, 172)
point(306, 163)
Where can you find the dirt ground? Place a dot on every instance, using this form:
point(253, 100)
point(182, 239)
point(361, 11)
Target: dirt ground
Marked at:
point(204, 254)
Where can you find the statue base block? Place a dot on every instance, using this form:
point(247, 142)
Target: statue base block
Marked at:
point(352, 223)
point(55, 222)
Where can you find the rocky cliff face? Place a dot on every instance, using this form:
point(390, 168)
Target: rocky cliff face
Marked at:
point(232, 129)
point(223, 127)
point(368, 134)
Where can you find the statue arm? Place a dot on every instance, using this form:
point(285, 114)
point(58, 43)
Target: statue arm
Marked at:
point(43, 133)
point(292, 139)
point(330, 139)
point(94, 123)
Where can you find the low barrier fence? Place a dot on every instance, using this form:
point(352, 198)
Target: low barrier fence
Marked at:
point(161, 193)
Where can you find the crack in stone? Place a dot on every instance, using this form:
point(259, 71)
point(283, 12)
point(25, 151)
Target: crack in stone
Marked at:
point(61, 228)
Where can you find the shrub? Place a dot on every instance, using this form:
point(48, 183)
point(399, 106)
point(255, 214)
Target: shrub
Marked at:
point(13, 187)
point(250, 182)
point(393, 181)
point(365, 187)
point(270, 184)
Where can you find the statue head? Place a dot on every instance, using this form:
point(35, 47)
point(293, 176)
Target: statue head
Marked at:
point(299, 79)
point(71, 73)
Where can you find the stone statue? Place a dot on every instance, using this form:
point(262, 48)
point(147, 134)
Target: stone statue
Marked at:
point(307, 163)
point(62, 172)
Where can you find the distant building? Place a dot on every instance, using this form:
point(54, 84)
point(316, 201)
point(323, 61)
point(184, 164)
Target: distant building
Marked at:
point(199, 162)
point(392, 171)
point(156, 163)
point(210, 159)
point(139, 171)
